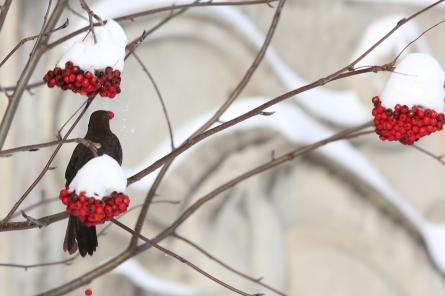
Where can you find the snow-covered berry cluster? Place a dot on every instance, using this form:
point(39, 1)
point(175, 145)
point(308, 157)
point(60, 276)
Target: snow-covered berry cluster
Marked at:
point(92, 211)
point(411, 105)
point(106, 82)
point(405, 124)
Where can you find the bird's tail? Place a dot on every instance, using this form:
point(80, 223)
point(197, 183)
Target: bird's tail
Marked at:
point(79, 236)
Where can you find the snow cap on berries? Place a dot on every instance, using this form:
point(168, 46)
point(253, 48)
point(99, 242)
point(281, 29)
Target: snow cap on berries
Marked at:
point(99, 177)
point(107, 51)
point(418, 80)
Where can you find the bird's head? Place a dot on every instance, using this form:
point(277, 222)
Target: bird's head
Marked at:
point(100, 120)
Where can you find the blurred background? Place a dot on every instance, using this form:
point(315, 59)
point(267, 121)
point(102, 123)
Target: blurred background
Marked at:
point(319, 225)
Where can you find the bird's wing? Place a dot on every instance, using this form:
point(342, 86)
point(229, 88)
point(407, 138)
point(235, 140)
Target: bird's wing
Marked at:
point(80, 156)
point(117, 150)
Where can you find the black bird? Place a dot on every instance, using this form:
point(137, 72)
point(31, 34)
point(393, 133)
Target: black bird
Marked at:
point(78, 235)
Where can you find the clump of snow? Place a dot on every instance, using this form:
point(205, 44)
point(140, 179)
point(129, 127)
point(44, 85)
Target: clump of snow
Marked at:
point(99, 177)
point(417, 80)
point(108, 51)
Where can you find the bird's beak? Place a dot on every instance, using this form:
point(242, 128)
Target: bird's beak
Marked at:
point(110, 115)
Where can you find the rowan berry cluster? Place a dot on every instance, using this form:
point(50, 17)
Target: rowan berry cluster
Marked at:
point(106, 82)
point(405, 124)
point(92, 211)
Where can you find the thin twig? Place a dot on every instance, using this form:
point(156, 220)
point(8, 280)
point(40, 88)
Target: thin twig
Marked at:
point(36, 147)
point(30, 38)
point(418, 37)
point(68, 261)
point(47, 220)
point(161, 100)
point(37, 204)
point(27, 87)
point(59, 132)
point(439, 158)
point(248, 75)
point(36, 54)
point(4, 12)
point(157, 10)
point(220, 262)
point(131, 17)
point(180, 258)
point(91, 15)
point(47, 166)
point(75, 12)
point(131, 46)
point(146, 204)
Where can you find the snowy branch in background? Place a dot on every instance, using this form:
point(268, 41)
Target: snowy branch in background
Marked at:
point(142, 278)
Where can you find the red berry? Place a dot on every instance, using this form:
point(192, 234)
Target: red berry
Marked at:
point(88, 75)
point(52, 82)
point(88, 292)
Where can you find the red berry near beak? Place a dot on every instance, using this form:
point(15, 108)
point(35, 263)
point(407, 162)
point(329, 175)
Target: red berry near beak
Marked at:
point(110, 115)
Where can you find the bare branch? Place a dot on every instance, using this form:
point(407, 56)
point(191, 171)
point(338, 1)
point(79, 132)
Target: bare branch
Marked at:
point(59, 132)
point(161, 100)
point(256, 62)
point(180, 258)
point(36, 147)
point(37, 52)
point(27, 87)
point(24, 40)
point(131, 17)
point(10, 226)
point(68, 261)
point(68, 6)
point(131, 46)
point(213, 258)
point(4, 12)
point(418, 37)
point(91, 15)
point(35, 205)
point(47, 166)
point(162, 9)
point(146, 205)
point(439, 158)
